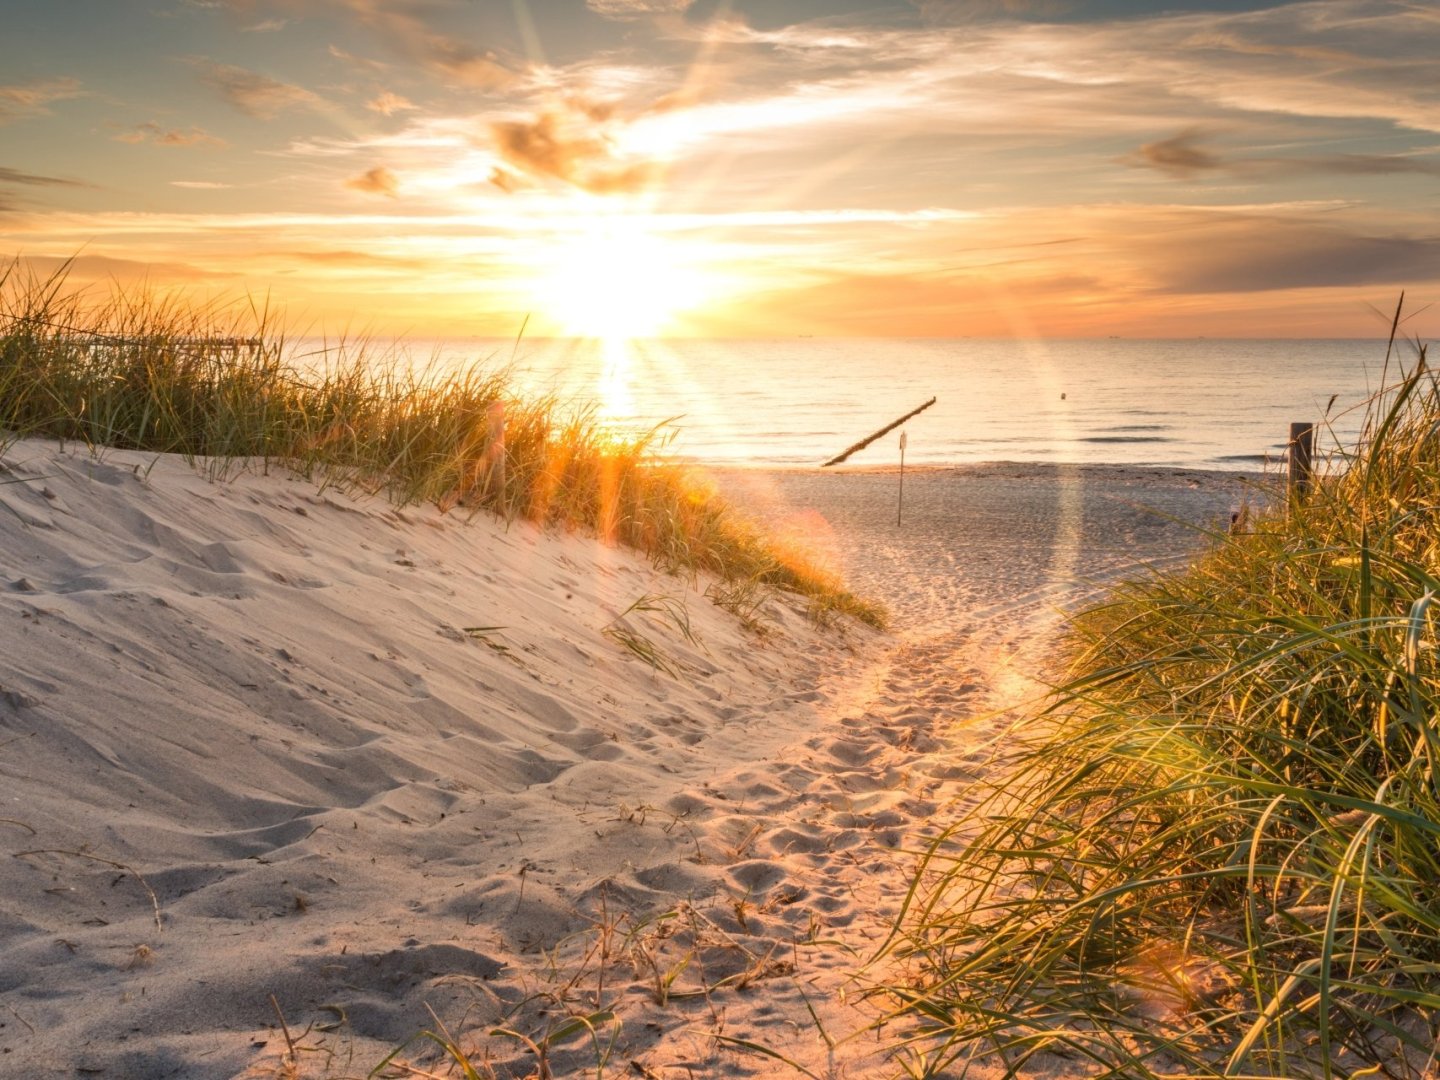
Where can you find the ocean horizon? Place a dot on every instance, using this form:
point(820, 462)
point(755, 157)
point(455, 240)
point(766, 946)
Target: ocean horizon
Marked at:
point(1213, 403)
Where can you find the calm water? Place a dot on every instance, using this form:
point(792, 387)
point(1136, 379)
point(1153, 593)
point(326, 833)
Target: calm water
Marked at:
point(1195, 403)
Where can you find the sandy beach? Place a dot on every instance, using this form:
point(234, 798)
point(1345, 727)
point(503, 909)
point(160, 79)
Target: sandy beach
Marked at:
point(294, 775)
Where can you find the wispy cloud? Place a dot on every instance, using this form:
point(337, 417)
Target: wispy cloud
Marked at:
point(1324, 59)
point(201, 185)
point(376, 181)
point(1360, 59)
point(255, 94)
point(15, 176)
point(551, 217)
point(1143, 252)
point(946, 11)
point(19, 100)
point(108, 268)
point(1243, 254)
point(388, 104)
point(1366, 165)
point(348, 258)
point(151, 132)
point(631, 9)
point(765, 220)
point(1184, 156)
point(266, 26)
point(364, 63)
point(405, 27)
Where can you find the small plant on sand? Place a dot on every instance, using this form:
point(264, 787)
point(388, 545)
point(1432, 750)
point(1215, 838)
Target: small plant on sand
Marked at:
point(743, 599)
point(218, 387)
point(1218, 853)
point(672, 610)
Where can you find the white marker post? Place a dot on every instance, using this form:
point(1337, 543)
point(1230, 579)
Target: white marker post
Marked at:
point(495, 455)
point(900, 503)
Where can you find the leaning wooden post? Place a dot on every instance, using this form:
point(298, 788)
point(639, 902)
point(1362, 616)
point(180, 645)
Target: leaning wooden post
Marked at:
point(838, 458)
point(1301, 454)
point(900, 502)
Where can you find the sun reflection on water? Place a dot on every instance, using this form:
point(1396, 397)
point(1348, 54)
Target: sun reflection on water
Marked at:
point(613, 390)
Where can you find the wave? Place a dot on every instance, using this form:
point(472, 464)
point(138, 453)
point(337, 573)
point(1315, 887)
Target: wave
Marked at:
point(1123, 439)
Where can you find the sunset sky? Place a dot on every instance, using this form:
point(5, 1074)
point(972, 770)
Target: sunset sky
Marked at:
point(753, 168)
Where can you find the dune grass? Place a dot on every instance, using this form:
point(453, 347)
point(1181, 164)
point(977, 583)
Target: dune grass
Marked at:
point(1218, 851)
point(214, 385)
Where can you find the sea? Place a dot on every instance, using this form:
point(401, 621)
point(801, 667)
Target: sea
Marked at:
point(1211, 403)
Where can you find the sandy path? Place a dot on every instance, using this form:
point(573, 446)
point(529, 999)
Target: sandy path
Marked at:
point(254, 707)
point(801, 860)
point(978, 577)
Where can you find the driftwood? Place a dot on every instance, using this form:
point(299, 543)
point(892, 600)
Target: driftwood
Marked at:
point(838, 458)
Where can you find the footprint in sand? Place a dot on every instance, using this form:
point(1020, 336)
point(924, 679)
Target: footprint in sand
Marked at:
point(757, 877)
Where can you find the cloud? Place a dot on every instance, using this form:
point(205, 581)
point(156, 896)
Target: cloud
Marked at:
point(631, 9)
point(506, 181)
point(876, 303)
point(266, 26)
point(402, 26)
point(151, 132)
point(255, 94)
point(15, 176)
point(201, 185)
point(19, 100)
point(1238, 254)
point(1329, 60)
point(346, 257)
point(1357, 165)
point(462, 63)
point(1183, 157)
point(566, 145)
point(364, 63)
point(388, 104)
point(1182, 250)
point(947, 11)
point(1337, 59)
point(376, 181)
point(108, 268)
point(1180, 155)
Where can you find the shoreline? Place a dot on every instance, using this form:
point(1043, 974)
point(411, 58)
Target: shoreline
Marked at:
point(1041, 467)
point(972, 538)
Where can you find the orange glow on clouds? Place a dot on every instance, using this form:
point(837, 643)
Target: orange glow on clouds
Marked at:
point(452, 168)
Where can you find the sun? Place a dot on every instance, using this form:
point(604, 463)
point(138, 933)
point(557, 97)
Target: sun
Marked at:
point(614, 278)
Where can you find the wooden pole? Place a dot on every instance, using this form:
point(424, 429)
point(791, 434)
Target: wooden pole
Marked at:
point(900, 502)
point(838, 458)
point(1301, 454)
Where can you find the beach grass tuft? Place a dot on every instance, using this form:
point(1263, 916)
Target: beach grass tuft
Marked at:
point(215, 384)
point(1217, 853)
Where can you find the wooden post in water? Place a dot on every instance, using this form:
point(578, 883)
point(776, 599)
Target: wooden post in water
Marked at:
point(900, 502)
point(1301, 454)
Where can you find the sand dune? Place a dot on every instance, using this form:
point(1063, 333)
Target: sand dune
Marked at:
point(393, 768)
